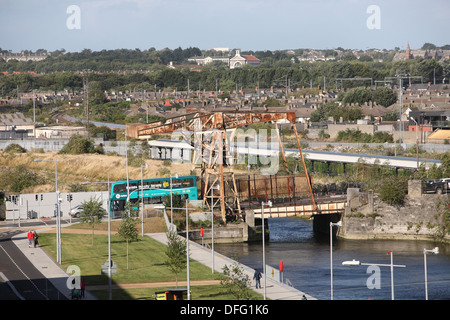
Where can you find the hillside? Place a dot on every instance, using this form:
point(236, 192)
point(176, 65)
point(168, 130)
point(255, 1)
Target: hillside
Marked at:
point(82, 168)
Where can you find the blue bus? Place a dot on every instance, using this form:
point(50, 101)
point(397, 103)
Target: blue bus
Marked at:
point(154, 191)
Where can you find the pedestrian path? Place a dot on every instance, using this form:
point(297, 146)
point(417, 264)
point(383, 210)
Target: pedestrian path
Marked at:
point(274, 289)
point(47, 266)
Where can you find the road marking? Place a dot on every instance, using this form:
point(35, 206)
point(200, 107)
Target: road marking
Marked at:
point(23, 272)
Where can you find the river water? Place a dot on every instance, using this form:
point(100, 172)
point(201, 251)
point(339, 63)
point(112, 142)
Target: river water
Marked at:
point(306, 263)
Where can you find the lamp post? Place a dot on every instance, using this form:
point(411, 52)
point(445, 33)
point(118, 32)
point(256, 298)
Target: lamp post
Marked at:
point(425, 251)
point(417, 141)
point(337, 224)
point(187, 252)
point(391, 265)
point(142, 197)
point(269, 203)
point(212, 225)
point(58, 218)
point(171, 205)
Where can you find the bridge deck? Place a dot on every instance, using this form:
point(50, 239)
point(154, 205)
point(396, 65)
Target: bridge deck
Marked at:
point(300, 209)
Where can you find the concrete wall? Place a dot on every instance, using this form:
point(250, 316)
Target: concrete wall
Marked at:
point(42, 205)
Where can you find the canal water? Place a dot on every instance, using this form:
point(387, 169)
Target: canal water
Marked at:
point(306, 263)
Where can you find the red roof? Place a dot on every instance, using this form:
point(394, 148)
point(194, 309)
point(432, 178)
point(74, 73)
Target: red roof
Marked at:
point(250, 58)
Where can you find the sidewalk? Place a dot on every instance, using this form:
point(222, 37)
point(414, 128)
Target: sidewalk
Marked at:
point(274, 289)
point(47, 266)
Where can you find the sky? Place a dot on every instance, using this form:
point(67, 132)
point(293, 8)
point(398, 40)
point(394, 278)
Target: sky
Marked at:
point(255, 25)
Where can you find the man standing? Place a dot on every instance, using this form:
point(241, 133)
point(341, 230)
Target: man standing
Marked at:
point(257, 277)
point(30, 238)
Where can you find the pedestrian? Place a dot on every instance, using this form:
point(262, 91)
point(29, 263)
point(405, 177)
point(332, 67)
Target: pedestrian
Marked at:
point(35, 238)
point(304, 297)
point(82, 286)
point(257, 277)
point(30, 238)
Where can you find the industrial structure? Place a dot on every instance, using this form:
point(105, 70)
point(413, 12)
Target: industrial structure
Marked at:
point(212, 134)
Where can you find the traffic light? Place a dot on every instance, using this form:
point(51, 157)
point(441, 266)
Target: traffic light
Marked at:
point(69, 197)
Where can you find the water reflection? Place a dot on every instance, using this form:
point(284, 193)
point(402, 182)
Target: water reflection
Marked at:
point(306, 261)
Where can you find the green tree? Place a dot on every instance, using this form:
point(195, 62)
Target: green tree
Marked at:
point(176, 254)
point(128, 231)
point(393, 191)
point(385, 97)
point(237, 282)
point(92, 214)
point(78, 145)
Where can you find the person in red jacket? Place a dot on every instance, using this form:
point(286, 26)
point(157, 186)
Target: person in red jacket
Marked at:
point(30, 238)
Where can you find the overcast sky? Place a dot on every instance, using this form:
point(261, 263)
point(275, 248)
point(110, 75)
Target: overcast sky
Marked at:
point(246, 24)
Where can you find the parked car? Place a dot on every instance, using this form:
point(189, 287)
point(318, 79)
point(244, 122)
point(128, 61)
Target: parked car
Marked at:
point(447, 181)
point(76, 211)
point(434, 186)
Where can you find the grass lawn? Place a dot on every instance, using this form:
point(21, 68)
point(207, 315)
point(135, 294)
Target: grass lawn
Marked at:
point(146, 264)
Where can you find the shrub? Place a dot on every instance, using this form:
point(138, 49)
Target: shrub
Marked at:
point(15, 148)
point(78, 145)
point(394, 190)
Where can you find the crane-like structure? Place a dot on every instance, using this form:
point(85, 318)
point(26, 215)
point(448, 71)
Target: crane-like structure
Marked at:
point(212, 153)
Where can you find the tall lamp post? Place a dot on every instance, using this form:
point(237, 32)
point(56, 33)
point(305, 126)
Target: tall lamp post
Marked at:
point(417, 141)
point(269, 203)
point(212, 225)
point(171, 204)
point(58, 218)
point(425, 251)
point(142, 196)
point(337, 224)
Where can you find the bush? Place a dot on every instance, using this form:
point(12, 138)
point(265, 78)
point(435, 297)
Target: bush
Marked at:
point(19, 178)
point(15, 148)
point(78, 145)
point(394, 190)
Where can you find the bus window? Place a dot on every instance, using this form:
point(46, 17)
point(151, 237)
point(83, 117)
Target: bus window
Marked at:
point(155, 185)
point(120, 188)
point(187, 183)
point(176, 183)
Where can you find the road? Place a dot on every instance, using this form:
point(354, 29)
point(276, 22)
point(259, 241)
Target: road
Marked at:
point(29, 282)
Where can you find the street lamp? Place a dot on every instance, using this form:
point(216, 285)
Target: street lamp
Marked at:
point(337, 224)
point(391, 265)
point(58, 218)
point(171, 205)
point(142, 196)
point(187, 251)
point(417, 141)
point(212, 225)
point(269, 203)
point(425, 251)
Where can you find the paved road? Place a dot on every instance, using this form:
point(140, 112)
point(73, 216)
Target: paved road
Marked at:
point(16, 268)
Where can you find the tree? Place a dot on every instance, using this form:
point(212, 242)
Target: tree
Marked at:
point(92, 214)
point(237, 282)
point(385, 97)
point(78, 145)
point(393, 191)
point(176, 254)
point(128, 231)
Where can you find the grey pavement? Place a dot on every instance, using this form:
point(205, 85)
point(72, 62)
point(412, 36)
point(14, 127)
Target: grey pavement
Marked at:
point(58, 277)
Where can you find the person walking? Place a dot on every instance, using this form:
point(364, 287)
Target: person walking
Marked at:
point(30, 238)
point(257, 278)
point(83, 287)
point(35, 238)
